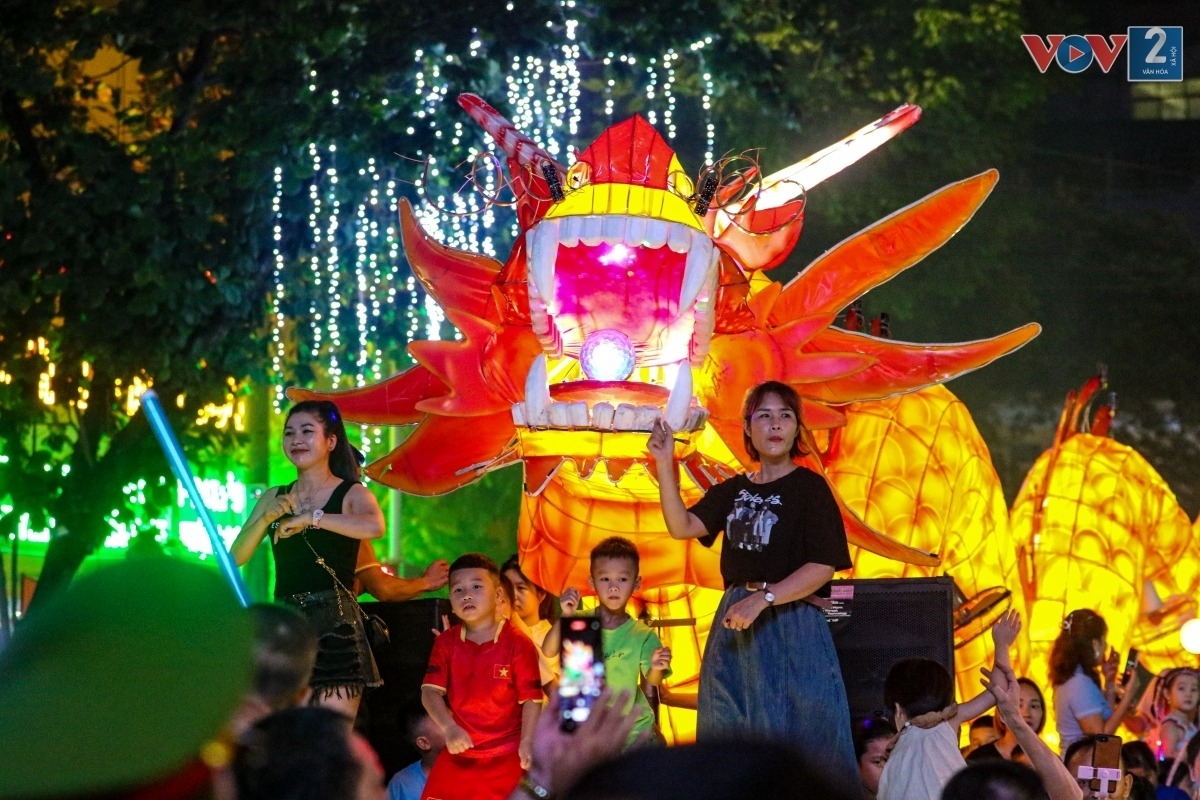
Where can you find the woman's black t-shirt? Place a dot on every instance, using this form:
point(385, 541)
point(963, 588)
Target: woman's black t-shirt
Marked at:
point(296, 568)
point(773, 529)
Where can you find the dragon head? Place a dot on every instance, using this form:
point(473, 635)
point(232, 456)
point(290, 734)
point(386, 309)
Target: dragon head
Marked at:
point(631, 295)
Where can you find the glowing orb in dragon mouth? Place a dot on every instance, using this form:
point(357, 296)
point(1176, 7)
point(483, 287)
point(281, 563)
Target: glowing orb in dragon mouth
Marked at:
point(629, 296)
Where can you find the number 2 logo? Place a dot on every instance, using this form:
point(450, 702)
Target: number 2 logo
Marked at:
point(1153, 57)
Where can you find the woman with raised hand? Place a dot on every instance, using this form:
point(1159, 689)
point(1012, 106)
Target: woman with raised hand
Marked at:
point(769, 667)
point(1081, 705)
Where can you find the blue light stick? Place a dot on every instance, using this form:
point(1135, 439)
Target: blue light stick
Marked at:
point(174, 453)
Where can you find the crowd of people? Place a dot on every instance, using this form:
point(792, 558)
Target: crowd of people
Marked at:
point(261, 704)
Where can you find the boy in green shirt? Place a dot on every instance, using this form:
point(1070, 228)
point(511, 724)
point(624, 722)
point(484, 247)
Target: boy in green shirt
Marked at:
point(631, 649)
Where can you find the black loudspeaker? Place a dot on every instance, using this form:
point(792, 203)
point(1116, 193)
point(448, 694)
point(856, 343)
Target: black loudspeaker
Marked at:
point(889, 619)
point(402, 665)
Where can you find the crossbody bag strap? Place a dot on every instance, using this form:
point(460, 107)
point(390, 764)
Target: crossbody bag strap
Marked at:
point(336, 579)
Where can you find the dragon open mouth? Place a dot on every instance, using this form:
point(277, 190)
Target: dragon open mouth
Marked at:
point(646, 284)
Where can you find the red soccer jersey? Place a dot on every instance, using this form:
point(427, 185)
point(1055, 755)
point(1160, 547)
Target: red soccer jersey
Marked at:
point(485, 684)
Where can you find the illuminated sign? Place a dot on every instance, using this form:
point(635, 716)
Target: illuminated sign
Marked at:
point(227, 500)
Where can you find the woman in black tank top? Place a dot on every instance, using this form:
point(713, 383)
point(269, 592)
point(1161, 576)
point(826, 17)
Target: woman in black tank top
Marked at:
point(325, 513)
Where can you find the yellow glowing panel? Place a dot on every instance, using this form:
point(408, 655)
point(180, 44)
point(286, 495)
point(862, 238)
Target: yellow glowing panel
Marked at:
point(1094, 525)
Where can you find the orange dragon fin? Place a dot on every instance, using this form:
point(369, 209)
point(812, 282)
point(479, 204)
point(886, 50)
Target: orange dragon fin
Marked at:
point(879, 252)
point(905, 366)
point(392, 402)
point(444, 454)
point(455, 278)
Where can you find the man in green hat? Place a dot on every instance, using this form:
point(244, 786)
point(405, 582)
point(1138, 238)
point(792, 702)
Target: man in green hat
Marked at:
point(123, 685)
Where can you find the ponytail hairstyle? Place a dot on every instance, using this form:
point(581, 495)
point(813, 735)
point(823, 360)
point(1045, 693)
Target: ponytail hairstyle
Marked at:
point(346, 460)
point(1073, 647)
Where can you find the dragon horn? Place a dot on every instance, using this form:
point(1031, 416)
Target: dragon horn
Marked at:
point(787, 184)
point(533, 172)
point(519, 148)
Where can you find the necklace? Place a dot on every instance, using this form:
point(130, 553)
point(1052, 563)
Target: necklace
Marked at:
point(307, 500)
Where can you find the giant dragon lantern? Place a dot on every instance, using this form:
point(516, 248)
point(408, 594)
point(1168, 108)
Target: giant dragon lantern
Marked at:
point(635, 291)
point(1097, 527)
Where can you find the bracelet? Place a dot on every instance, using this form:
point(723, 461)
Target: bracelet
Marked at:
point(535, 789)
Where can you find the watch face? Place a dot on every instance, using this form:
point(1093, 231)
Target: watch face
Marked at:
point(769, 597)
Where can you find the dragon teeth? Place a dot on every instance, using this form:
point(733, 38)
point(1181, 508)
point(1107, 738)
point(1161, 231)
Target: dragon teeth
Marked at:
point(635, 231)
point(575, 415)
point(541, 252)
point(537, 394)
point(679, 238)
point(612, 228)
point(696, 291)
point(700, 272)
point(679, 402)
point(543, 241)
point(591, 231)
point(568, 230)
point(602, 416)
point(657, 231)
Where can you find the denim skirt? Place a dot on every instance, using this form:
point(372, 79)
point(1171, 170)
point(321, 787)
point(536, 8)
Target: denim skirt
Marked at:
point(779, 680)
point(345, 666)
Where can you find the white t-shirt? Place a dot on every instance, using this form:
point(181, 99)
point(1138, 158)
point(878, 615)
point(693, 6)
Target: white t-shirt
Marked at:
point(921, 763)
point(547, 665)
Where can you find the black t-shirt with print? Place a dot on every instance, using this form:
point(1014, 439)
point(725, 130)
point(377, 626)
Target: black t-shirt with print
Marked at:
point(773, 529)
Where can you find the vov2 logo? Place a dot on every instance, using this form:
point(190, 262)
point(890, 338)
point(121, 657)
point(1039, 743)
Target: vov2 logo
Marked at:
point(1155, 51)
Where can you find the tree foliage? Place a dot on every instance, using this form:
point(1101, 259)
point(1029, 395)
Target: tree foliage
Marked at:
point(136, 217)
point(137, 147)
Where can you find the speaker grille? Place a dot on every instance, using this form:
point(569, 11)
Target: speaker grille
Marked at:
point(891, 619)
point(402, 666)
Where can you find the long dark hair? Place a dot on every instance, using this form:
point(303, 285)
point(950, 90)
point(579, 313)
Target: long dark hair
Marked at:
point(754, 399)
point(1073, 647)
point(345, 460)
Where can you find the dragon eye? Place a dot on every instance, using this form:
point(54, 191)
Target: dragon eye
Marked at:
point(579, 175)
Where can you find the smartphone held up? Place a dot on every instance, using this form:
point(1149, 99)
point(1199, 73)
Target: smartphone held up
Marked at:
point(1104, 773)
point(582, 664)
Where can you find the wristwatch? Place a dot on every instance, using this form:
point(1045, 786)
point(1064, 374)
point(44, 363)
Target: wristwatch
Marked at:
point(317, 514)
point(535, 789)
point(769, 596)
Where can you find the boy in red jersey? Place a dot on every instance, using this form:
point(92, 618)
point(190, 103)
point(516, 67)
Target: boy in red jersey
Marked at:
point(483, 689)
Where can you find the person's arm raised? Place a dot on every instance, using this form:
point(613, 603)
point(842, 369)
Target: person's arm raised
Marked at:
point(569, 602)
point(681, 523)
point(1004, 633)
point(1002, 684)
point(561, 758)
